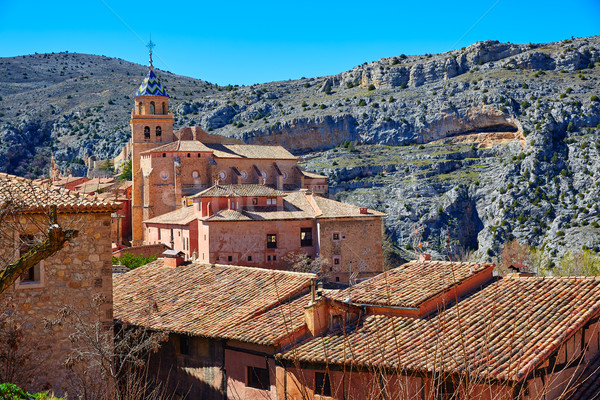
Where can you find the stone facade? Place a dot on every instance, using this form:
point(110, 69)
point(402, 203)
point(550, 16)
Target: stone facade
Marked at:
point(73, 277)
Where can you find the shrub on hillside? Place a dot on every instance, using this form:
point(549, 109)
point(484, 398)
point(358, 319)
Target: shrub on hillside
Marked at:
point(9, 391)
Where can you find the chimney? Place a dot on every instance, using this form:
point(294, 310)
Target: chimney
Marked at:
point(173, 258)
point(316, 316)
point(363, 210)
point(424, 257)
point(316, 313)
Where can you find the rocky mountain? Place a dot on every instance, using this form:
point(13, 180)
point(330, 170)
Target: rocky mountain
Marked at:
point(463, 150)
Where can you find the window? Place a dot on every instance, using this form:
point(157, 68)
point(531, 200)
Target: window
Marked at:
point(249, 258)
point(305, 237)
point(322, 384)
point(336, 261)
point(164, 108)
point(447, 390)
point(158, 131)
point(189, 155)
point(184, 344)
point(254, 201)
point(268, 258)
point(336, 236)
point(152, 107)
point(229, 258)
point(272, 201)
point(164, 155)
point(274, 257)
point(271, 241)
point(146, 132)
point(33, 274)
point(258, 378)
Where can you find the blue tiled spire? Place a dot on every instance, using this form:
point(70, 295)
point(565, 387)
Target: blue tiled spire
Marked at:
point(151, 86)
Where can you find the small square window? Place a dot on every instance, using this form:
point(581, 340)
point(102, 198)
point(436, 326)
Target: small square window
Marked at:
point(322, 384)
point(336, 261)
point(258, 378)
point(305, 237)
point(271, 241)
point(336, 236)
point(34, 274)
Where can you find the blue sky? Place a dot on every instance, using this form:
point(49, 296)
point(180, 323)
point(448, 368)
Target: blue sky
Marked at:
point(243, 42)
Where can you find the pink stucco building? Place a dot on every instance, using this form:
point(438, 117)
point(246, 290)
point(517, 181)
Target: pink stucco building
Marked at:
point(257, 225)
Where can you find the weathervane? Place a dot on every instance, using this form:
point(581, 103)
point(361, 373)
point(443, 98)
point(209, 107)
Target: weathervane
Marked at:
point(150, 46)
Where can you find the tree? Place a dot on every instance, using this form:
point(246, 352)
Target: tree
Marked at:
point(56, 237)
point(107, 366)
point(126, 173)
point(301, 262)
point(514, 253)
point(108, 167)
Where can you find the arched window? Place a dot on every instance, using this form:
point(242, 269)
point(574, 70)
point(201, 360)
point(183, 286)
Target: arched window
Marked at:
point(140, 107)
point(158, 131)
point(152, 107)
point(164, 108)
point(146, 132)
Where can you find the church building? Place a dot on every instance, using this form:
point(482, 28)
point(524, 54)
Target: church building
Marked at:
point(168, 165)
point(219, 200)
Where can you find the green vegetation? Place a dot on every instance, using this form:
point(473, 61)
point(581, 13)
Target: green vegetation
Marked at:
point(126, 174)
point(132, 261)
point(8, 391)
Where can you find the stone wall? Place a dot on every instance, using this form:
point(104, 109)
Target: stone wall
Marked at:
point(191, 367)
point(72, 277)
point(356, 243)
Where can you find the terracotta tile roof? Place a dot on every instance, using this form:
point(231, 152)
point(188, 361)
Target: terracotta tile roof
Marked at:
point(296, 205)
point(335, 209)
point(180, 145)
point(245, 190)
point(28, 196)
point(181, 216)
point(68, 179)
point(507, 329)
point(311, 175)
point(412, 283)
point(250, 151)
point(203, 300)
point(281, 321)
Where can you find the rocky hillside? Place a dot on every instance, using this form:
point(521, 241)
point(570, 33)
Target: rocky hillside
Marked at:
point(463, 150)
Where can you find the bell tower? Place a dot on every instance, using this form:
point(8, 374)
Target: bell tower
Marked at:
point(151, 126)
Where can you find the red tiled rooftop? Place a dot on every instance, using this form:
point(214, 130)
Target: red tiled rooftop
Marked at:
point(26, 195)
point(204, 300)
point(245, 190)
point(501, 332)
point(412, 283)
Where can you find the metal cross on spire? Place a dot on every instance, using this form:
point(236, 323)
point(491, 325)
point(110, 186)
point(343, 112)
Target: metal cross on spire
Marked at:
point(150, 46)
